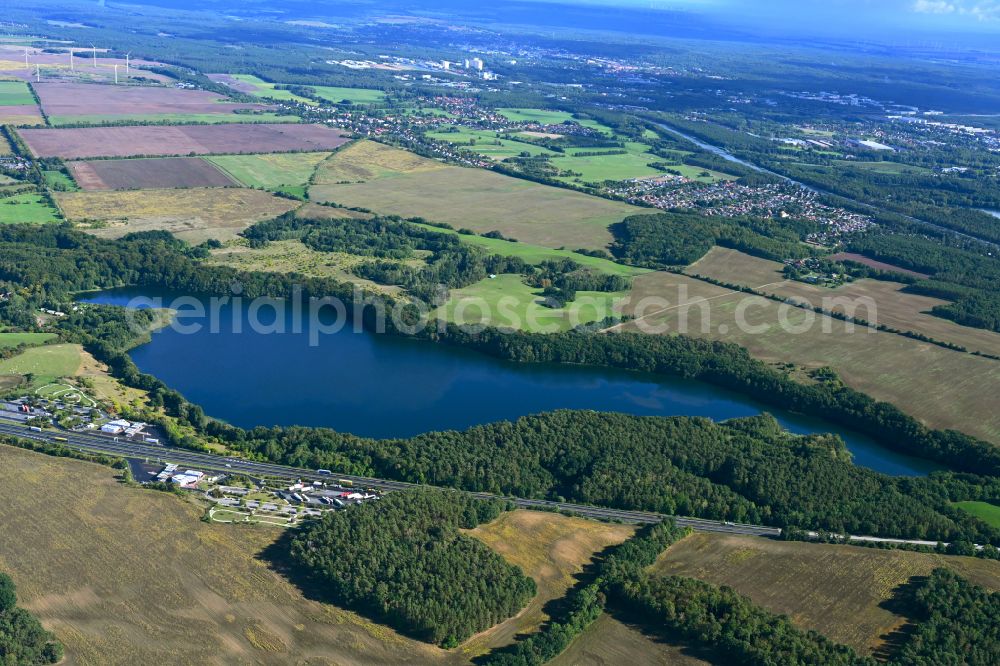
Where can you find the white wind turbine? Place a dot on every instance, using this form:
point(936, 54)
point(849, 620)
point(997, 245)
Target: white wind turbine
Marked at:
point(72, 66)
point(126, 63)
point(116, 73)
point(95, 55)
point(38, 72)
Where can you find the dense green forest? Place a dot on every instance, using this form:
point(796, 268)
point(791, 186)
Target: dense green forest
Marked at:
point(747, 470)
point(23, 641)
point(403, 561)
point(955, 622)
point(679, 238)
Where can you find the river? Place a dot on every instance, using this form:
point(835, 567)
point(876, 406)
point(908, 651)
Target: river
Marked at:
point(384, 386)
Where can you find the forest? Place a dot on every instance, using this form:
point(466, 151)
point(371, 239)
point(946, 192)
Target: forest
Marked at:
point(746, 470)
point(23, 641)
point(954, 622)
point(402, 561)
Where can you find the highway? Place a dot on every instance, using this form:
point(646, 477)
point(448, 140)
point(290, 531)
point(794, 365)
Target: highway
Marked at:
point(95, 443)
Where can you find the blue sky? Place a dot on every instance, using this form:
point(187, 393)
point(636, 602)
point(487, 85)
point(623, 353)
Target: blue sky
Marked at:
point(974, 16)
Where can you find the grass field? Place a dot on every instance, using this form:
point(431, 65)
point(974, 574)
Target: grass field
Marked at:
point(195, 214)
point(45, 364)
point(550, 548)
point(28, 207)
point(286, 172)
point(126, 576)
point(544, 117)
point(15, 93)
point(836, 590)
point(506, 302)
point(15, 339)
point(609, 642)
point(355, 95)
point(988, 513)
point(59, 180)
point(908, 373)
point(291, 256)
point(261, 88)
point(487, 143)
point(397, 182)
point(905, 312)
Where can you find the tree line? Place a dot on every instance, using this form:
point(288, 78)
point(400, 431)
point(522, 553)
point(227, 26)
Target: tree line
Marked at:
point(23, 641)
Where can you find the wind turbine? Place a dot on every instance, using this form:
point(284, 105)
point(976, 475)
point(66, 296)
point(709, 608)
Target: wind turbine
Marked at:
point(126, 62)
point(38, 72)
point(72, 67)
point(95, 55)
point(116, 73)
point(26, 65)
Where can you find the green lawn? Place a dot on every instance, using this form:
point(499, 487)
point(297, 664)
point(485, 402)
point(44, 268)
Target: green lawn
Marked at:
point(548, 118)
point(26, 208)
point(15, 93)
point(506, 302)
point(986, 512)
point(287, 172)
point(598, 168)
point(47, 363)
point(15, 339)
point(176, 118)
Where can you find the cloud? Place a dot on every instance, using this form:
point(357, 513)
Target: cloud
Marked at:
point(982, 10)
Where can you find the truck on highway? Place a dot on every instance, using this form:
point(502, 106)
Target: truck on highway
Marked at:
point(345, 482)
point(60, 439)
point(324, 472)
point(35, 428)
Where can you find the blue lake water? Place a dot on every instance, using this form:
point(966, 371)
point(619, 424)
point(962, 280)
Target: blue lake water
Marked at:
point(384, 386)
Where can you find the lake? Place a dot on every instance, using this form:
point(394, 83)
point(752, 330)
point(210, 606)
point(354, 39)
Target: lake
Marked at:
point(383, 386)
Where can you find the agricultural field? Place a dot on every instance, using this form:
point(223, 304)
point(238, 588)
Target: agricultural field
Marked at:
point(336, 94)
point(124, 576)
point(252, 85)
point(397, 182)
point(292, 256)
point(194, 215)
point(68, 102)
point(134, 141)
point(908, 373)
point(835, 590)
point(15, 339)
point(148, 173)
point(59, 181)
point(45, 364)
point(893, 307)
point(283, 172)
point(609, 642)
point(550, 548)
point(544, 117)
point(487, 143)
point(27, 207)
point(988, 513)
point(598, 168)
point(507, 302)
point(17, 105)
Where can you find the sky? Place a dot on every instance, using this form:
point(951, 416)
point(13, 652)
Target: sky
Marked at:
point(898, 17)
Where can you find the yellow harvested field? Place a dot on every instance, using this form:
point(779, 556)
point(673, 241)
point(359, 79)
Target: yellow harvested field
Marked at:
point(895, 309)
point(550, 548)
point(127, 576)
point(836, 590)
point(941, 387)
point(609, 642)
point(392, 181)
point(194, 215)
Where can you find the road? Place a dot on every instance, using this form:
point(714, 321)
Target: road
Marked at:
point(95, 443)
